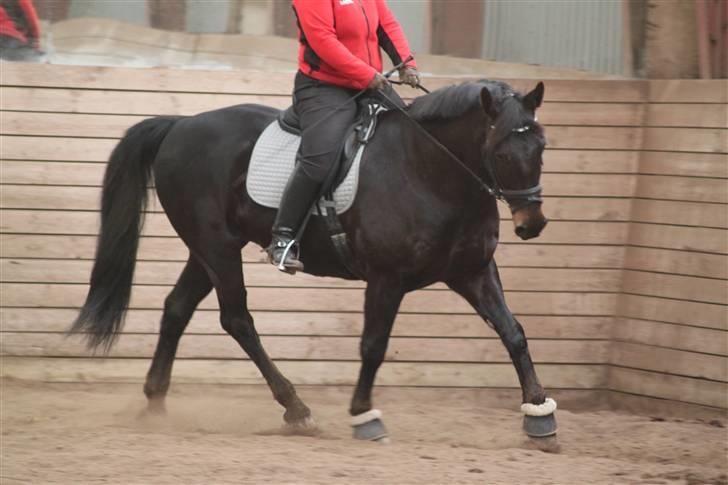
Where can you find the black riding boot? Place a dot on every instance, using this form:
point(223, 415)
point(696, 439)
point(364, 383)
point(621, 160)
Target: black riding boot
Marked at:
point(298, 197)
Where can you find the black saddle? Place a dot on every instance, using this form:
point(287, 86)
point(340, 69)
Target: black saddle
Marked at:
point(357, 135)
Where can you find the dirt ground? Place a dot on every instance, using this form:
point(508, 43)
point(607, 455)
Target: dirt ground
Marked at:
point(92, 433)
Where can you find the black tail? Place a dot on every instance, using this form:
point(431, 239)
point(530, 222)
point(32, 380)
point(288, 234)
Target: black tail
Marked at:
point(123, 201)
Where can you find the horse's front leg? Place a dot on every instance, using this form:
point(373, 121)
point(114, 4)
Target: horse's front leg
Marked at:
point(382, 300)
point(485, 293)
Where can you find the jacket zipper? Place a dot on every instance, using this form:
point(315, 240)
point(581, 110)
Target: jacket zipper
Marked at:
point(366, 17)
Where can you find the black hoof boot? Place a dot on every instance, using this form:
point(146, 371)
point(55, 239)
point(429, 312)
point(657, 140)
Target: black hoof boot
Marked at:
point(539, 420)
point(368, 426)
point(540, 426)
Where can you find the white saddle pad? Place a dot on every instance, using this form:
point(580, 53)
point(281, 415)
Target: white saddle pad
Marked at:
point(272, 162)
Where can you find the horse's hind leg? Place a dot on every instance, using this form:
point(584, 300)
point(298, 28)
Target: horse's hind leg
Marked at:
point(192, 286)
point(225, 269)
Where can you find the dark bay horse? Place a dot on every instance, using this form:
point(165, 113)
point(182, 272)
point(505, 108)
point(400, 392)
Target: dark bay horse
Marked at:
point(418, 219)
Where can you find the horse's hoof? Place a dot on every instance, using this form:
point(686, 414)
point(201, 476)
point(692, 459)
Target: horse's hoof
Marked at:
point(368, 426)
point(549, 444)
point(152, 411)
point(306, 427)
point(540, 426)
point(155, 408)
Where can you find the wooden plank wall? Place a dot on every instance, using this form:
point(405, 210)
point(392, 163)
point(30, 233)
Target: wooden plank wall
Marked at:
point(59, 124)
point(670, 338)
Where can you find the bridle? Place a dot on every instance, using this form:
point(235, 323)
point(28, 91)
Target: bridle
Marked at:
point(518, 198)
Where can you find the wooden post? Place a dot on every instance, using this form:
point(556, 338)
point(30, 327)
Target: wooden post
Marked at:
point(672, 40)
point(701, 17)
point(235, 16)
point(167, 14)
point(284, 20)
point(718, 16)
point(634, 17)
point(724, 43)
point(53, 10)
point(627, 49)
point(457, 27)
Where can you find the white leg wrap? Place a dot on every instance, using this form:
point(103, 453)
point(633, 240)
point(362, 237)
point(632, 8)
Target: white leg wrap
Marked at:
point(548, 407)
point(362, 418)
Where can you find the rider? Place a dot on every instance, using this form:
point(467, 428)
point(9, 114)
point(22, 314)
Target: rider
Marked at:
point(338, 57)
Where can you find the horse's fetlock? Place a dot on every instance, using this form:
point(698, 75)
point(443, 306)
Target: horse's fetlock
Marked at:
point(360, 407)
point(156, 391)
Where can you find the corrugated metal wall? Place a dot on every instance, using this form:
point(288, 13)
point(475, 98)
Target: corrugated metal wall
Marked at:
point(414, 17)
point(132, 11)
point(567, 33)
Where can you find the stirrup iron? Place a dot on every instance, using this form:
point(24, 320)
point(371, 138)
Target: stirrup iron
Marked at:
point(286, 250)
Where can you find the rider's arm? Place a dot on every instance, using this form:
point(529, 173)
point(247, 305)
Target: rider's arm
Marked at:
point(391, 37)
point(316, 19)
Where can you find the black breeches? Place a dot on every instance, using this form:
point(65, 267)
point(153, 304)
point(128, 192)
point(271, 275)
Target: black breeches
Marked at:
point(321, 141)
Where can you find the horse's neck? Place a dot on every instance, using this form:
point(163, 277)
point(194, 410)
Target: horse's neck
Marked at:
point(462, 138)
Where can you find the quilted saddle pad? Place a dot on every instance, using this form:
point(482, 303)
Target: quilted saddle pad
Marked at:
point(272, 162)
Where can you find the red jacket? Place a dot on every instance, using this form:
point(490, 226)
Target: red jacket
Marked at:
point(340, 40)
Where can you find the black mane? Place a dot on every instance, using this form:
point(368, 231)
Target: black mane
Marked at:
point(454, 101)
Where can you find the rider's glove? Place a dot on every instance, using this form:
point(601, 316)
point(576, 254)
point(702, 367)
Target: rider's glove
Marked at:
point(378, 82)
point(409, 76)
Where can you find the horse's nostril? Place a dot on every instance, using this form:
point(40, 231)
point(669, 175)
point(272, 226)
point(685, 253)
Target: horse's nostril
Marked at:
point(521, 231)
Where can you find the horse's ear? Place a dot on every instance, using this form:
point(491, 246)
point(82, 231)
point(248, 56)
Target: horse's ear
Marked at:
point(534, 99)
point(486, 101)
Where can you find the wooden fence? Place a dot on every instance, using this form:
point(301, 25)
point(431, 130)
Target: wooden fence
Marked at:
point(625, 290)
point(670, 337)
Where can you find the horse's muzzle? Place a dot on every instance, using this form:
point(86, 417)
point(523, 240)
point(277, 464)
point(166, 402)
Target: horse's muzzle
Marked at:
point(529, 221)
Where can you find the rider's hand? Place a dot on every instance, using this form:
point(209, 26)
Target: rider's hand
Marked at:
point(409, 76)
point(378, 82)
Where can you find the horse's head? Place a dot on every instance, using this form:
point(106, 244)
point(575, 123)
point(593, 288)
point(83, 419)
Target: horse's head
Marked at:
point(512, 154)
